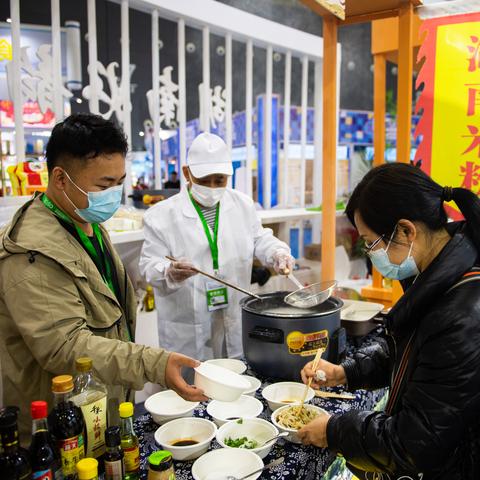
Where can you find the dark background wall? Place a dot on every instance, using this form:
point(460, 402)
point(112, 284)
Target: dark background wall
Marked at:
point(356, 83)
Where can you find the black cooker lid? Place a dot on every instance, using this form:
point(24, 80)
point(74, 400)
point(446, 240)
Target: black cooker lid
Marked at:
point(273, 305)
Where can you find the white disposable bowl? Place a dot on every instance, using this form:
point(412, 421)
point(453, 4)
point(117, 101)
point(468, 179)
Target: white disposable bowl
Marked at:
point(199, 429)
point(219, 383)
point(244, 407)
point(292, 437)
point(168, 405)
point(232, 364)
point(252, 428)
point(276, 394)
point(218, 464)
point(255, 384)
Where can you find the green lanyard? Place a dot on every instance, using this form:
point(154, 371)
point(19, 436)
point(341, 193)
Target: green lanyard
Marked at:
point(212, 242)
point(87, 243)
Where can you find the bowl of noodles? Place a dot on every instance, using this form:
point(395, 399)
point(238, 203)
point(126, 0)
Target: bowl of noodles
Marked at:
point(292, 418)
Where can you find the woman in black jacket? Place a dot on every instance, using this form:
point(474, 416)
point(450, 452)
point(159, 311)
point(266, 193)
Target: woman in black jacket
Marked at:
point(430, 356)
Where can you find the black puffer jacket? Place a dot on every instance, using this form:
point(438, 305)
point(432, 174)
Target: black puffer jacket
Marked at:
point(433, 431)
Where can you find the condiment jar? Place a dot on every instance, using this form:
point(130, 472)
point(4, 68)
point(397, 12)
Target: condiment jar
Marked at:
point(160, 466)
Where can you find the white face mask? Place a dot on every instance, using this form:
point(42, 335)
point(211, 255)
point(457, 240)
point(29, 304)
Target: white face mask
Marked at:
point(206, 196)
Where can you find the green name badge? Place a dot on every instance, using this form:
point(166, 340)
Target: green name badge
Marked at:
point(217, 296)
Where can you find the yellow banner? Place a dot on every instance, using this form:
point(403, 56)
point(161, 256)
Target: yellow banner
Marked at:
point(456, 115)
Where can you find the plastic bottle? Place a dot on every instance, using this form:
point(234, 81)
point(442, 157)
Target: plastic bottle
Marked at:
point(66, 424)
point(129, 441)
point(91, 396)
point(87, 469)
point(44, 456)
point(14, 459)
point(114, 458)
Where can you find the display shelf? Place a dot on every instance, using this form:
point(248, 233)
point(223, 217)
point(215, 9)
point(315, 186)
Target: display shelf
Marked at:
point(127, 237)
point(266, 216)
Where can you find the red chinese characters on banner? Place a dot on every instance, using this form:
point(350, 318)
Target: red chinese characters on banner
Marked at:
point(471, 176)
point(470, 170)
point(474, 50)
point(449, 102)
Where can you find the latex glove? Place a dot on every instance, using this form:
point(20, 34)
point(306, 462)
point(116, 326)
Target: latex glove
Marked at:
point(315, 432)
point(283, 262)
point(326, 375)
point(179, 271)
point(175, 381)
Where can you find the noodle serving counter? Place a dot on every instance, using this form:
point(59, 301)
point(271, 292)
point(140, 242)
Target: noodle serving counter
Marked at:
point(301, 462)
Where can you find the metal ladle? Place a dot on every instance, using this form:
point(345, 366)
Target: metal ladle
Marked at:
point(311, 295)
point(219, 280)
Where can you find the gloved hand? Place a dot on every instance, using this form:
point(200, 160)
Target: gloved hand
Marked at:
point(179, 271)
point(283, 262)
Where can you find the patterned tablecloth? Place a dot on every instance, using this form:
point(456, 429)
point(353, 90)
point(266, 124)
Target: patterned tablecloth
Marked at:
point(301, 462)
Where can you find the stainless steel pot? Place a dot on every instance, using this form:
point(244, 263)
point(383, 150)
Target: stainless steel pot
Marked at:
point(279, 339)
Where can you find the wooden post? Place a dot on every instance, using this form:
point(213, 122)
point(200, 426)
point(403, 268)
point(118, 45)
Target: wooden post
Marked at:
point(379, 110)
point(329, 183)
point(405, 73)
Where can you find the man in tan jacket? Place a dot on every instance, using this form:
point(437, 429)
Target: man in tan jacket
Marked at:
point(64, 292)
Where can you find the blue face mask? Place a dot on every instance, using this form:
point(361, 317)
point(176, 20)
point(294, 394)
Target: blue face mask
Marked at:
point(408, 268)
point(101, 205)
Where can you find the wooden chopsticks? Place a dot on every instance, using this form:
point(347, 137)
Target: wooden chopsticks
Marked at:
point(317, 358)
point(342, 396)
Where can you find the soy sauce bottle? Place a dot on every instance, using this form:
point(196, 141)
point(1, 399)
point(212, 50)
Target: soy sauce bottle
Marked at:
point(44, 456)
point(114, 461)
point(67, 426)
point(14, 460)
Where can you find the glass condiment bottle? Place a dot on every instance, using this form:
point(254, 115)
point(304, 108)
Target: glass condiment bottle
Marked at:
point(114, 461)
point(14, 459)
point(129, 441)
point(160, 466)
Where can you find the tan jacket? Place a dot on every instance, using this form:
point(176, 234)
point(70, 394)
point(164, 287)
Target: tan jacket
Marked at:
point(55, 307)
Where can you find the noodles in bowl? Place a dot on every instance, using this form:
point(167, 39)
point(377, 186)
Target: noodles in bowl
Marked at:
point(296, 417)
point(291, 419)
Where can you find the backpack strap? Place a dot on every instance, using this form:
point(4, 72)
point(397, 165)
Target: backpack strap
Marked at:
point(399, 377)
point(471, 276)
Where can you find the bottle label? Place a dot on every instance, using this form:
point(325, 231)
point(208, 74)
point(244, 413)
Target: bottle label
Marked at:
point(95, 415)
point(72, 450)
point(114, 470)
point(43, 475)
point(132, 459)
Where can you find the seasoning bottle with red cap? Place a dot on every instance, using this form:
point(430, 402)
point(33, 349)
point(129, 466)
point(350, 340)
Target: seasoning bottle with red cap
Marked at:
point(44, 457)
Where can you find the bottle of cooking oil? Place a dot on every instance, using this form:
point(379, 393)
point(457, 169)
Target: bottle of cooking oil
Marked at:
point(149, 300)
point(129, 440)
point(91, 396)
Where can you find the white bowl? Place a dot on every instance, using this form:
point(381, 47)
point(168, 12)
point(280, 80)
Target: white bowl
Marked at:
point(252, 428)
point(232, 364)
point(218, 464)
point(286, 393)
point(292, 437)
point(255, 384)
point(199, 429)
point(220, 383)
point(168, 405)
point(244, 407)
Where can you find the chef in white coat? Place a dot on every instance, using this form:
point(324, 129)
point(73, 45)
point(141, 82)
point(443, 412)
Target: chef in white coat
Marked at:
point(216, 229)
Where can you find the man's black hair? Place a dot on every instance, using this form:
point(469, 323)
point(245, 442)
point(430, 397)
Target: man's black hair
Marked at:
point(81, 137)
